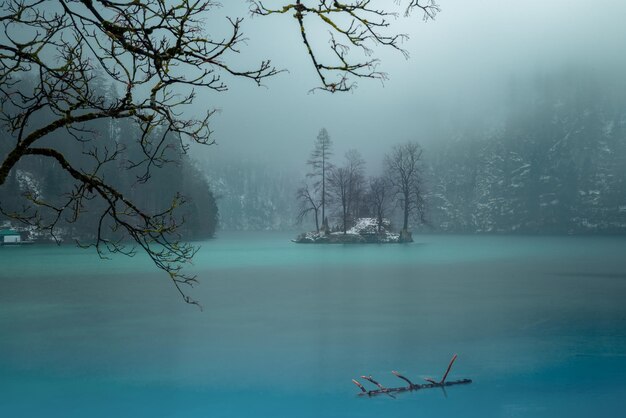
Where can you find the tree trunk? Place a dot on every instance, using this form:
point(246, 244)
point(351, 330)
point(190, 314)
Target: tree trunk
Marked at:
point(405, 227)
point(323, 186)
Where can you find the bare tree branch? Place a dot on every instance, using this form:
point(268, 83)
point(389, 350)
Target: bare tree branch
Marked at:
point(152, 54)
point(67, 65)
point(355, 24)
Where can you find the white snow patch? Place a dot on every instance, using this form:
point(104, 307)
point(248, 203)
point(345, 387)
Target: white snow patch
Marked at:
point(28, 183)
point(368, 226)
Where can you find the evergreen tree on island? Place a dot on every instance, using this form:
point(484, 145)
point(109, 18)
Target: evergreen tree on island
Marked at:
point(320, 170)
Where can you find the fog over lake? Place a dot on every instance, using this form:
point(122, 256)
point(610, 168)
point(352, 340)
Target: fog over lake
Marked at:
point(460, 72)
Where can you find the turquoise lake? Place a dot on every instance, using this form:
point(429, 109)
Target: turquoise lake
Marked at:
point(538, 323)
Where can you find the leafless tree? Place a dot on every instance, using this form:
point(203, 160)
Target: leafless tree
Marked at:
point(309, 203)
point(356, 167)
point(379, 196)
point(155, 55)
point(403, 174)
point(361, 24)
point(339, 185)
point(346, 187)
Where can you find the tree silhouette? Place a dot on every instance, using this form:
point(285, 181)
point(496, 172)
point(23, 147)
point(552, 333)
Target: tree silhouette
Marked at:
point(378, 199)
point(403, 174)
point(357, 23)
point(308, 203)
point(153, 55)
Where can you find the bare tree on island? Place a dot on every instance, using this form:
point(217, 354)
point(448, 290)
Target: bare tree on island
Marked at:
point(403, 174)
point(156, 55)
point(320, 170)
point(356, 167)
point(308, 203)
point(346, 188)
point(339, 183)
point(378, 199)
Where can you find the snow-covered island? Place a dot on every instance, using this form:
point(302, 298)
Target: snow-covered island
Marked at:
point(365, 231)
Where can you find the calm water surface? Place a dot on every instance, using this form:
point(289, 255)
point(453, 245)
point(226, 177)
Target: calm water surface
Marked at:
point(539, 324)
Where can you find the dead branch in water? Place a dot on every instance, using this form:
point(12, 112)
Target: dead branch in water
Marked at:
point(411, 386)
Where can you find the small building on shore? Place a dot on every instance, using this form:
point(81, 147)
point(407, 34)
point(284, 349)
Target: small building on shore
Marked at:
point(10, 237)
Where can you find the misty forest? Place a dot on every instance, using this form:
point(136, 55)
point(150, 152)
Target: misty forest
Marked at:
point(171, 170)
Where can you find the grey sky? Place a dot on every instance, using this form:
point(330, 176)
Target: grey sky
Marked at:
point(459, 67)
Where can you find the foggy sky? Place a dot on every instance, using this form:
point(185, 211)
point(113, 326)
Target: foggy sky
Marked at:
point(459, 68)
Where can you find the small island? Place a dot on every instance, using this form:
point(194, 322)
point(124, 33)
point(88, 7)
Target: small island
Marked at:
point(365, 231)
point(359, 206)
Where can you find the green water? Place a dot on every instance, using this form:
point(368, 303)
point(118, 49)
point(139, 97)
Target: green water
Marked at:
point(539, 324)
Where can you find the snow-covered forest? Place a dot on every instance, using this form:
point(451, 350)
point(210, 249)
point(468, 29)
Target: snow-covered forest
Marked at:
point(555, 163)
point(39, 179)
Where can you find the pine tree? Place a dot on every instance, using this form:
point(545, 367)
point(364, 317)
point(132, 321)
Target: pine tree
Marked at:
point(320, 169)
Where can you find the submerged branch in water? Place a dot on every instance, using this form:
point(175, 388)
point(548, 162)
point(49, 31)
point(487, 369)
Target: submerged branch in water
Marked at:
point(411, 387)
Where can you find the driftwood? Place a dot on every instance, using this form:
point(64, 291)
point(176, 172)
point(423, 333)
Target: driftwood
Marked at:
point(382, 390)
